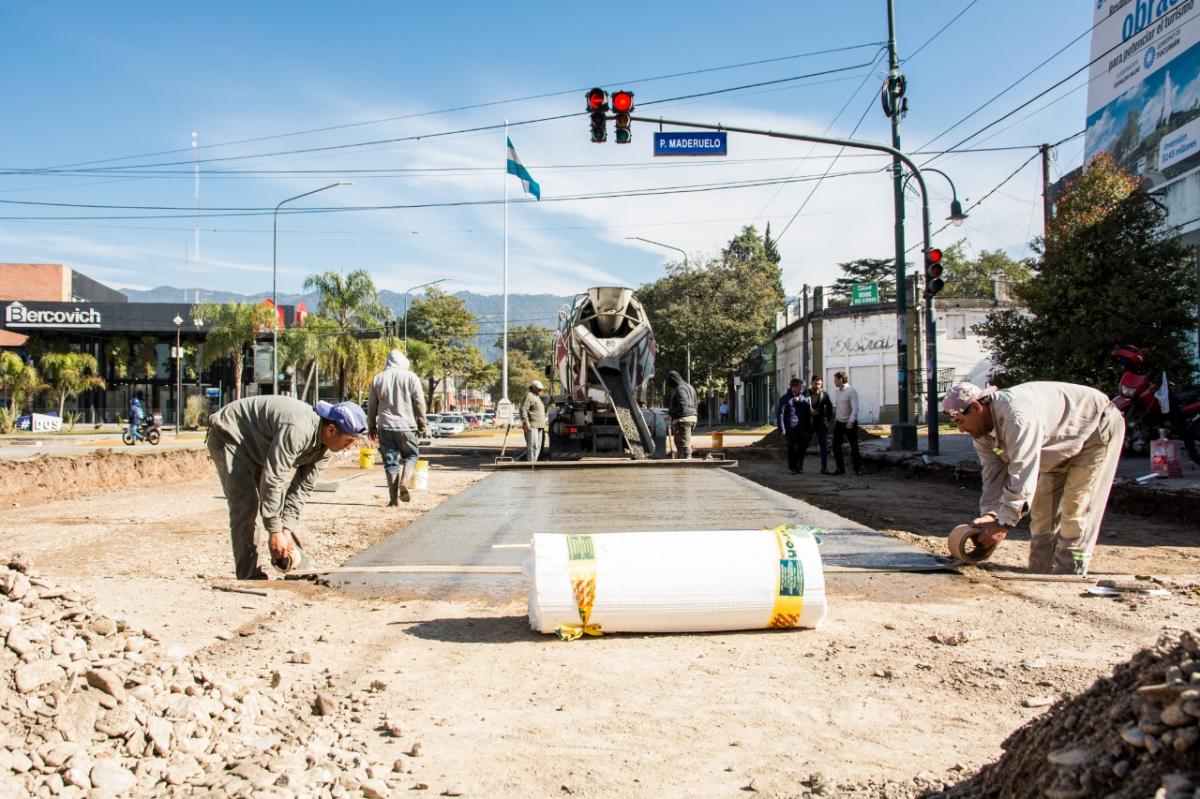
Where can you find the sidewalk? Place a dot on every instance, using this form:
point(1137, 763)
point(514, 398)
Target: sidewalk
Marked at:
point(1177, 497)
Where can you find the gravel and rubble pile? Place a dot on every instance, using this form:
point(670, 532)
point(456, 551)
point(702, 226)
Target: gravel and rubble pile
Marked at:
point(1133, 734)
point(92, 707)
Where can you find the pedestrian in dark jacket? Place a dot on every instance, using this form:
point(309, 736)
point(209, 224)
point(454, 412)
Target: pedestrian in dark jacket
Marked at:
point(682, 411)
point(793, 417)
point(822, 420)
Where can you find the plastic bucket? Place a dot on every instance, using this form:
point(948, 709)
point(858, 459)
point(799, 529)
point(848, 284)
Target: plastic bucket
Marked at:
point(718, 440)
point(421, 476)
point(366, 458)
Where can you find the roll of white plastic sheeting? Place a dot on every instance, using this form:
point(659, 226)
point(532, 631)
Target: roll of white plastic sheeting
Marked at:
point(686, 581)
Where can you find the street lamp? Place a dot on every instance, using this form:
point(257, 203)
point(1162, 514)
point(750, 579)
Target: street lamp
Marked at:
point(274, 282)
point(957, 217)
point(178, 320)
point(406, 293)
point(685, 269)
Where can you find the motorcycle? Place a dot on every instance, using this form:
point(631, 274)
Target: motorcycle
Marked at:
point(150, 429)
point(1139, 399)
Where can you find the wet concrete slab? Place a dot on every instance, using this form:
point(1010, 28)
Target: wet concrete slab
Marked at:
point(507, 507)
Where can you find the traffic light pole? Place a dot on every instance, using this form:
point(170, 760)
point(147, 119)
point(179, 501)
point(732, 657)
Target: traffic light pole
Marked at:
point(927, 236)
point(904, 432)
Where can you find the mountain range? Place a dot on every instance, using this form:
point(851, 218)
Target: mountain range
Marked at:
point(523, 309)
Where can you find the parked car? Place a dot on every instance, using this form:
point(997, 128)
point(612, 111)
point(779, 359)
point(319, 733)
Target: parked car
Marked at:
point(489, 419)
point(432, 419)
point(451, 424)
point(472, 420)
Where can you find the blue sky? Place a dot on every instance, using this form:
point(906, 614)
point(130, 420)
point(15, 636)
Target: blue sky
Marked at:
point(88, 82)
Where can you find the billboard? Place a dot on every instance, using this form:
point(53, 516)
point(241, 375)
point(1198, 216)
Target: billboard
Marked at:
point(1144, 87)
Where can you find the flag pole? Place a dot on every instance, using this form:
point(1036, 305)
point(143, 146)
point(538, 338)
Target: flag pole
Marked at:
point(504, 336)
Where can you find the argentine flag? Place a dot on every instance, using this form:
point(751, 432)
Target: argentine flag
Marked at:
point(515, 167)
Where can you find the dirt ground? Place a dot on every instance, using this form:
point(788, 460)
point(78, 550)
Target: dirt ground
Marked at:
point(913, 681)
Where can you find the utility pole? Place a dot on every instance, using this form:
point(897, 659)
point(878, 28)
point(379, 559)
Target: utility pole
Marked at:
point(1045, 150)
point(904, 432)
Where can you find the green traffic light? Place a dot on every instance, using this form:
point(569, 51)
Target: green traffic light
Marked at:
point(624, 135)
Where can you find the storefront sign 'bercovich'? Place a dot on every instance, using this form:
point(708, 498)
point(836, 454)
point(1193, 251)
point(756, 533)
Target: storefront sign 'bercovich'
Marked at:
point(17, 315)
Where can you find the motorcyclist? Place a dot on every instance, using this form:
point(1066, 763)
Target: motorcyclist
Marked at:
point(137, 414)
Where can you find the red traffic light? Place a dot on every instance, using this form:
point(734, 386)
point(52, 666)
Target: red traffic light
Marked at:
point(622, 101)
point(597, 100)
point(934, 256)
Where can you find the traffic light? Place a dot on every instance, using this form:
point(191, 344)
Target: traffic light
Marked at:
point(622, 105)
point(933, 272)
point(597, 106)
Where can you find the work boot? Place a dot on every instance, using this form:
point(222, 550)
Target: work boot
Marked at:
point(393, 487)
point(405, 477)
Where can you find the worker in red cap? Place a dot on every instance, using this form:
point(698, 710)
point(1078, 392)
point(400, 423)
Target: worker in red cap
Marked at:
point(269, 451)
point(1047, 449)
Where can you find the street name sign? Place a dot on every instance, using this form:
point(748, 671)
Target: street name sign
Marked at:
point(864, 293)
point(691, 143)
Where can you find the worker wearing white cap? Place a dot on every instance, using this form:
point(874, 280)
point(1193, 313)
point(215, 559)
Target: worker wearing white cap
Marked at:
point(1049, 449)
point(533, 420)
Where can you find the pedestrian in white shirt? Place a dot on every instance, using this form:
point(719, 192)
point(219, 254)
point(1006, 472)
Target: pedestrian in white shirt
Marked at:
point(1047, 449)
point(845, 423)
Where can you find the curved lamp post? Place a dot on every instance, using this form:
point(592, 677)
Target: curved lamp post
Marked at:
point(686, 268)
point(274, 282)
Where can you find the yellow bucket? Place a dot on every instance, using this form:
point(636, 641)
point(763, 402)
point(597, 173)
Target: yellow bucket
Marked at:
point(718, 440)
point(366, 458)
point(421, 476)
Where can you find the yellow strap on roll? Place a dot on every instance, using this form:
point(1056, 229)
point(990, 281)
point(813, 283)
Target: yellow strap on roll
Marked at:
point(582, 555)
point(789, 594)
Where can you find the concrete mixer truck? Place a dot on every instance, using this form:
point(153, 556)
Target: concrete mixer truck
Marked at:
point(604, 354)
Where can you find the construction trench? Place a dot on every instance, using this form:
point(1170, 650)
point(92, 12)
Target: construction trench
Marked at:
point(419, 670)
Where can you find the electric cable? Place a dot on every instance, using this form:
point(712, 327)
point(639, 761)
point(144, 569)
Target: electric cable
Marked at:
point(474, 106)
point(460, 131)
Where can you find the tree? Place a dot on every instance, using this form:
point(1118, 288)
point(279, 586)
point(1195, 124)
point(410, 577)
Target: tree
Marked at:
point(70, 374)
point(444, 324)
point(723, 309)
point(976, 279)
point(352, 303)
point(521, 372)
point(864, 270)
point(20, 380)
point(536, 342)
point(300, 348)
point(1108, 273)
point(232, 328)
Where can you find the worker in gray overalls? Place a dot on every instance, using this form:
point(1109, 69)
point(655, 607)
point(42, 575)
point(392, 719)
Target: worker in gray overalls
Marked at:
point(256, 443)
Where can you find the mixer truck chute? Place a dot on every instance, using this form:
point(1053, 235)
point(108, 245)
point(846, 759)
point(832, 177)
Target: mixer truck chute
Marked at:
point(604, 352)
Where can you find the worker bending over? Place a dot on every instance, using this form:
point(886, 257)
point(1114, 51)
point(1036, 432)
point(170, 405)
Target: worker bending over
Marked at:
point(1049, 449)
point(269, 451)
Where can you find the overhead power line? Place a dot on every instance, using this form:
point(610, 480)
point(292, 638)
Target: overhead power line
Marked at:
point(1008, 88)
point(458, 131)
point(475, 106)
point(209, 213)
point(1002, 183)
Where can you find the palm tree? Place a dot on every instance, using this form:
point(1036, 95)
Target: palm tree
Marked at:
point(301, 347)
point(233, 327)
point(20, 380)
point(70, 374)
point(352, 304)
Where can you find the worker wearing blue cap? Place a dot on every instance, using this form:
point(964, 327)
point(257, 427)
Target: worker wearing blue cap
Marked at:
point(269, 451)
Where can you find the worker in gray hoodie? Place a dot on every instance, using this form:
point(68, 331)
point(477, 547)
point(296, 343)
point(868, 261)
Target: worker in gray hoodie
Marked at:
point(269, 451)
point(396, 415)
